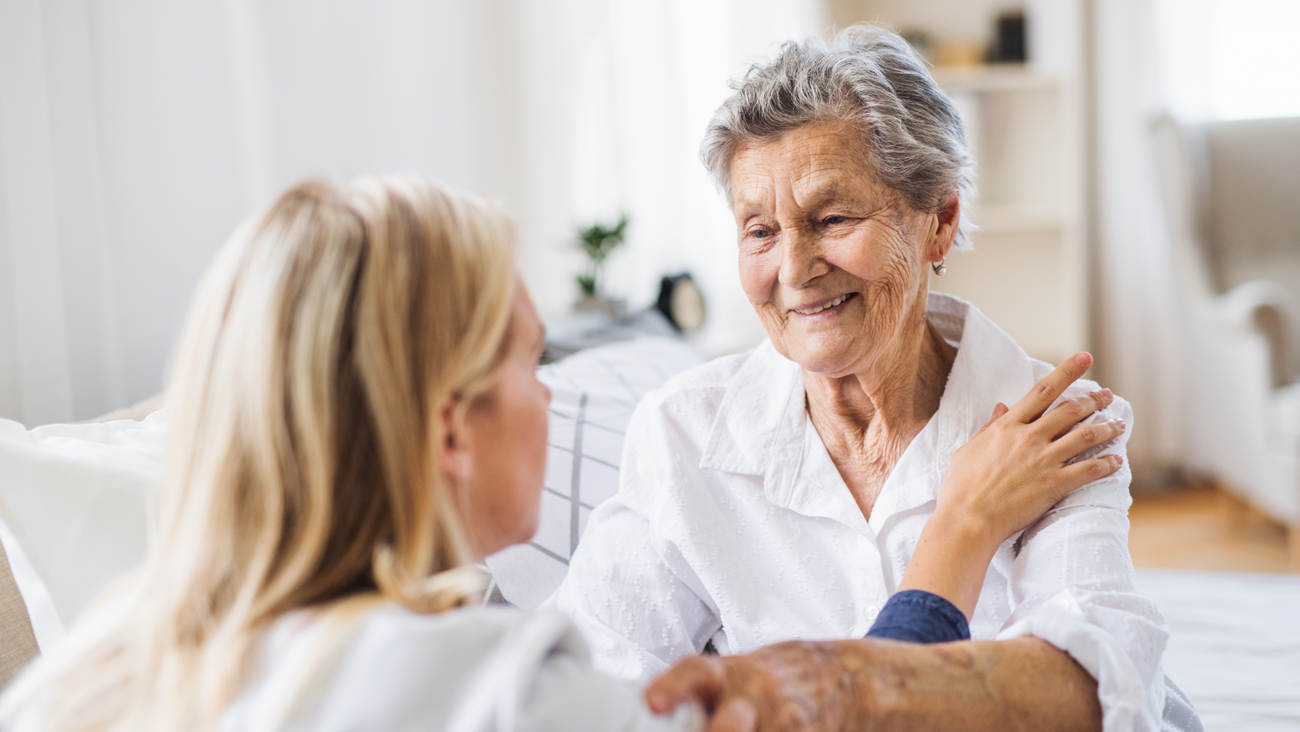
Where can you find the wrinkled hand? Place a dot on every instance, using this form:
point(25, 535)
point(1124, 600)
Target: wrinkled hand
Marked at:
point(870, 685)
point(1017, 466)
point(796, 685)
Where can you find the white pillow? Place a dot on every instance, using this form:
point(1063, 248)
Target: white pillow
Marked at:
point(75, 498)
point(593, 393)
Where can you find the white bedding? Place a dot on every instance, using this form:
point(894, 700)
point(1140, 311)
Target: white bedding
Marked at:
point(74, 497)
point(1235, 647)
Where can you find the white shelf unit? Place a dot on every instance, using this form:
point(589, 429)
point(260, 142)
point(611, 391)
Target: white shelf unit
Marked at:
point(1029, 269)
point(992, 78)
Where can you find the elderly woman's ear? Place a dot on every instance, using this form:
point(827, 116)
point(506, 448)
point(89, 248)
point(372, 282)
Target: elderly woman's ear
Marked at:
point(945, 233)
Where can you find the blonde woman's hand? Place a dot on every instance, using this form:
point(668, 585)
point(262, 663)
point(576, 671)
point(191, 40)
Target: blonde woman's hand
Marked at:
point(1018, 465)
point(1006, 477)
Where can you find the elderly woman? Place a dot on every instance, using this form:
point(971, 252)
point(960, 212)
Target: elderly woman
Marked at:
point(781, 493)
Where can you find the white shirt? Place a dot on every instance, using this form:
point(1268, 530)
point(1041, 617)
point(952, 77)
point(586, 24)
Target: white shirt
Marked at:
point(462, 670)
point(732, 523)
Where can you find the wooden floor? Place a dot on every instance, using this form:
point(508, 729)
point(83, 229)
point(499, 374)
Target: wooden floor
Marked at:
point(1203, 527)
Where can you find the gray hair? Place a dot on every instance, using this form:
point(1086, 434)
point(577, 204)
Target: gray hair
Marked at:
point(872, 78)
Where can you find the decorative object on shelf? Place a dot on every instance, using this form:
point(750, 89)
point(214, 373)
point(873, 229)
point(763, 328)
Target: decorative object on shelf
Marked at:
point(598, 242)
point(682, 302)
point(1009, 44)
point(952, 53)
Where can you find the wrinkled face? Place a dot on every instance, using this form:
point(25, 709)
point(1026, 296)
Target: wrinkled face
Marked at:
point(830, 258)
point(506, 441)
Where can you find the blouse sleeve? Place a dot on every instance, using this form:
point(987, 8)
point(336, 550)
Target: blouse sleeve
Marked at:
point(629, 590)
point(1073, 585)
point(568, 695)
point(538, 678)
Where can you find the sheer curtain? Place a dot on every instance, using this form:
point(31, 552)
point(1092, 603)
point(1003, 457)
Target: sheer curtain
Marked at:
point(1137, 325)
point(1199, 60)
point(1229, 59)
point(135, 134)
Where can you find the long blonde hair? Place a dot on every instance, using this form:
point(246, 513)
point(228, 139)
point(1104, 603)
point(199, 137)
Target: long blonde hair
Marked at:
point(304, 405)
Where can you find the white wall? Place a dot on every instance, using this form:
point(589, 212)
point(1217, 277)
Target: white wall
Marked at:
point(135, 134)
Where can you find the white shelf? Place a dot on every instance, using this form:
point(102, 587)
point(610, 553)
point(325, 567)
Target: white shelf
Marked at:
point(991, 78)
point(1008, 219)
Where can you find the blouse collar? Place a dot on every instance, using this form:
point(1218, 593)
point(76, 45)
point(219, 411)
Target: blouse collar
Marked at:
point(760, 427)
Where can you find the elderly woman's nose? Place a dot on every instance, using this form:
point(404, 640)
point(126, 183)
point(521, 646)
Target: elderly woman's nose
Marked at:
point(801, 261)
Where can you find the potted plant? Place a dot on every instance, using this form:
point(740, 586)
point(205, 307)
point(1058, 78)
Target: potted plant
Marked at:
point(598, 242)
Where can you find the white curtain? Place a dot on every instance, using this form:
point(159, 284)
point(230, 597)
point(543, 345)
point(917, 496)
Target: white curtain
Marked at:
point(1138, 328)
point(1199, 60)
point(33, 344)
point(1229, 59)
point(135, 134)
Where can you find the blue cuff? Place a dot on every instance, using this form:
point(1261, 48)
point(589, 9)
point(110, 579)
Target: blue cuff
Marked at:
point(917, 616)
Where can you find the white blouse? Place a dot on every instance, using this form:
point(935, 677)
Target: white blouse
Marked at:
point(732, 524)
point(474, 669)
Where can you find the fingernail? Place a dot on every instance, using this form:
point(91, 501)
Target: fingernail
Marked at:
point(1082, 359)
point(1120, 424)
point(1119, 461)
point(1107, 393)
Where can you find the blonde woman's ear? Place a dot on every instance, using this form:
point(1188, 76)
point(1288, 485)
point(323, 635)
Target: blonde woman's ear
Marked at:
point(452, 444)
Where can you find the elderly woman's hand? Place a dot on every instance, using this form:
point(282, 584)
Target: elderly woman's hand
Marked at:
point(870, 684)
point(795, 685)
point(1015, 468)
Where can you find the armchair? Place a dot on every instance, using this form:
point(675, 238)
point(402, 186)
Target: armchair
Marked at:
point(1231, 190)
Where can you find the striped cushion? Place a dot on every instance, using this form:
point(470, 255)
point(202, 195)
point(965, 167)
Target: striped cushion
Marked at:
point(593, 394)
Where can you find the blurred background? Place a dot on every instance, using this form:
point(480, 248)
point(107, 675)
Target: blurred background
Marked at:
point(1139, 161)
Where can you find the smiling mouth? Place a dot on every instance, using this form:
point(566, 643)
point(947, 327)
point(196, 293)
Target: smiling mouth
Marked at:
point(833, 303)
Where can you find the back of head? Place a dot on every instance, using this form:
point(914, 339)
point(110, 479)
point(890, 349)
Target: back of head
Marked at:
point(867, 77)
point(304, 404)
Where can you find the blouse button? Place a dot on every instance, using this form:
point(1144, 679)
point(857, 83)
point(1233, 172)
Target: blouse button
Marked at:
point(872, 612)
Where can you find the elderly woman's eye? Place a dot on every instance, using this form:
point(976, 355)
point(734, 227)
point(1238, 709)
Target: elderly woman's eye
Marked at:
point(760, 233)
point(833, 220)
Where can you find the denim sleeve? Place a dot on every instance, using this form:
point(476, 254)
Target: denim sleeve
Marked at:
point(918, 616)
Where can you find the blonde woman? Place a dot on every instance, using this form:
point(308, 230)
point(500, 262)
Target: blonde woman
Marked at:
point(355, 421)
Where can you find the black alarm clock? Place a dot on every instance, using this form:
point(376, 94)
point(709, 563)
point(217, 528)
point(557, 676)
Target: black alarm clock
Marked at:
point(682, 302)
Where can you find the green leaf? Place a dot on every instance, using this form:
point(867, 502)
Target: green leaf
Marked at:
point(599, 241)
